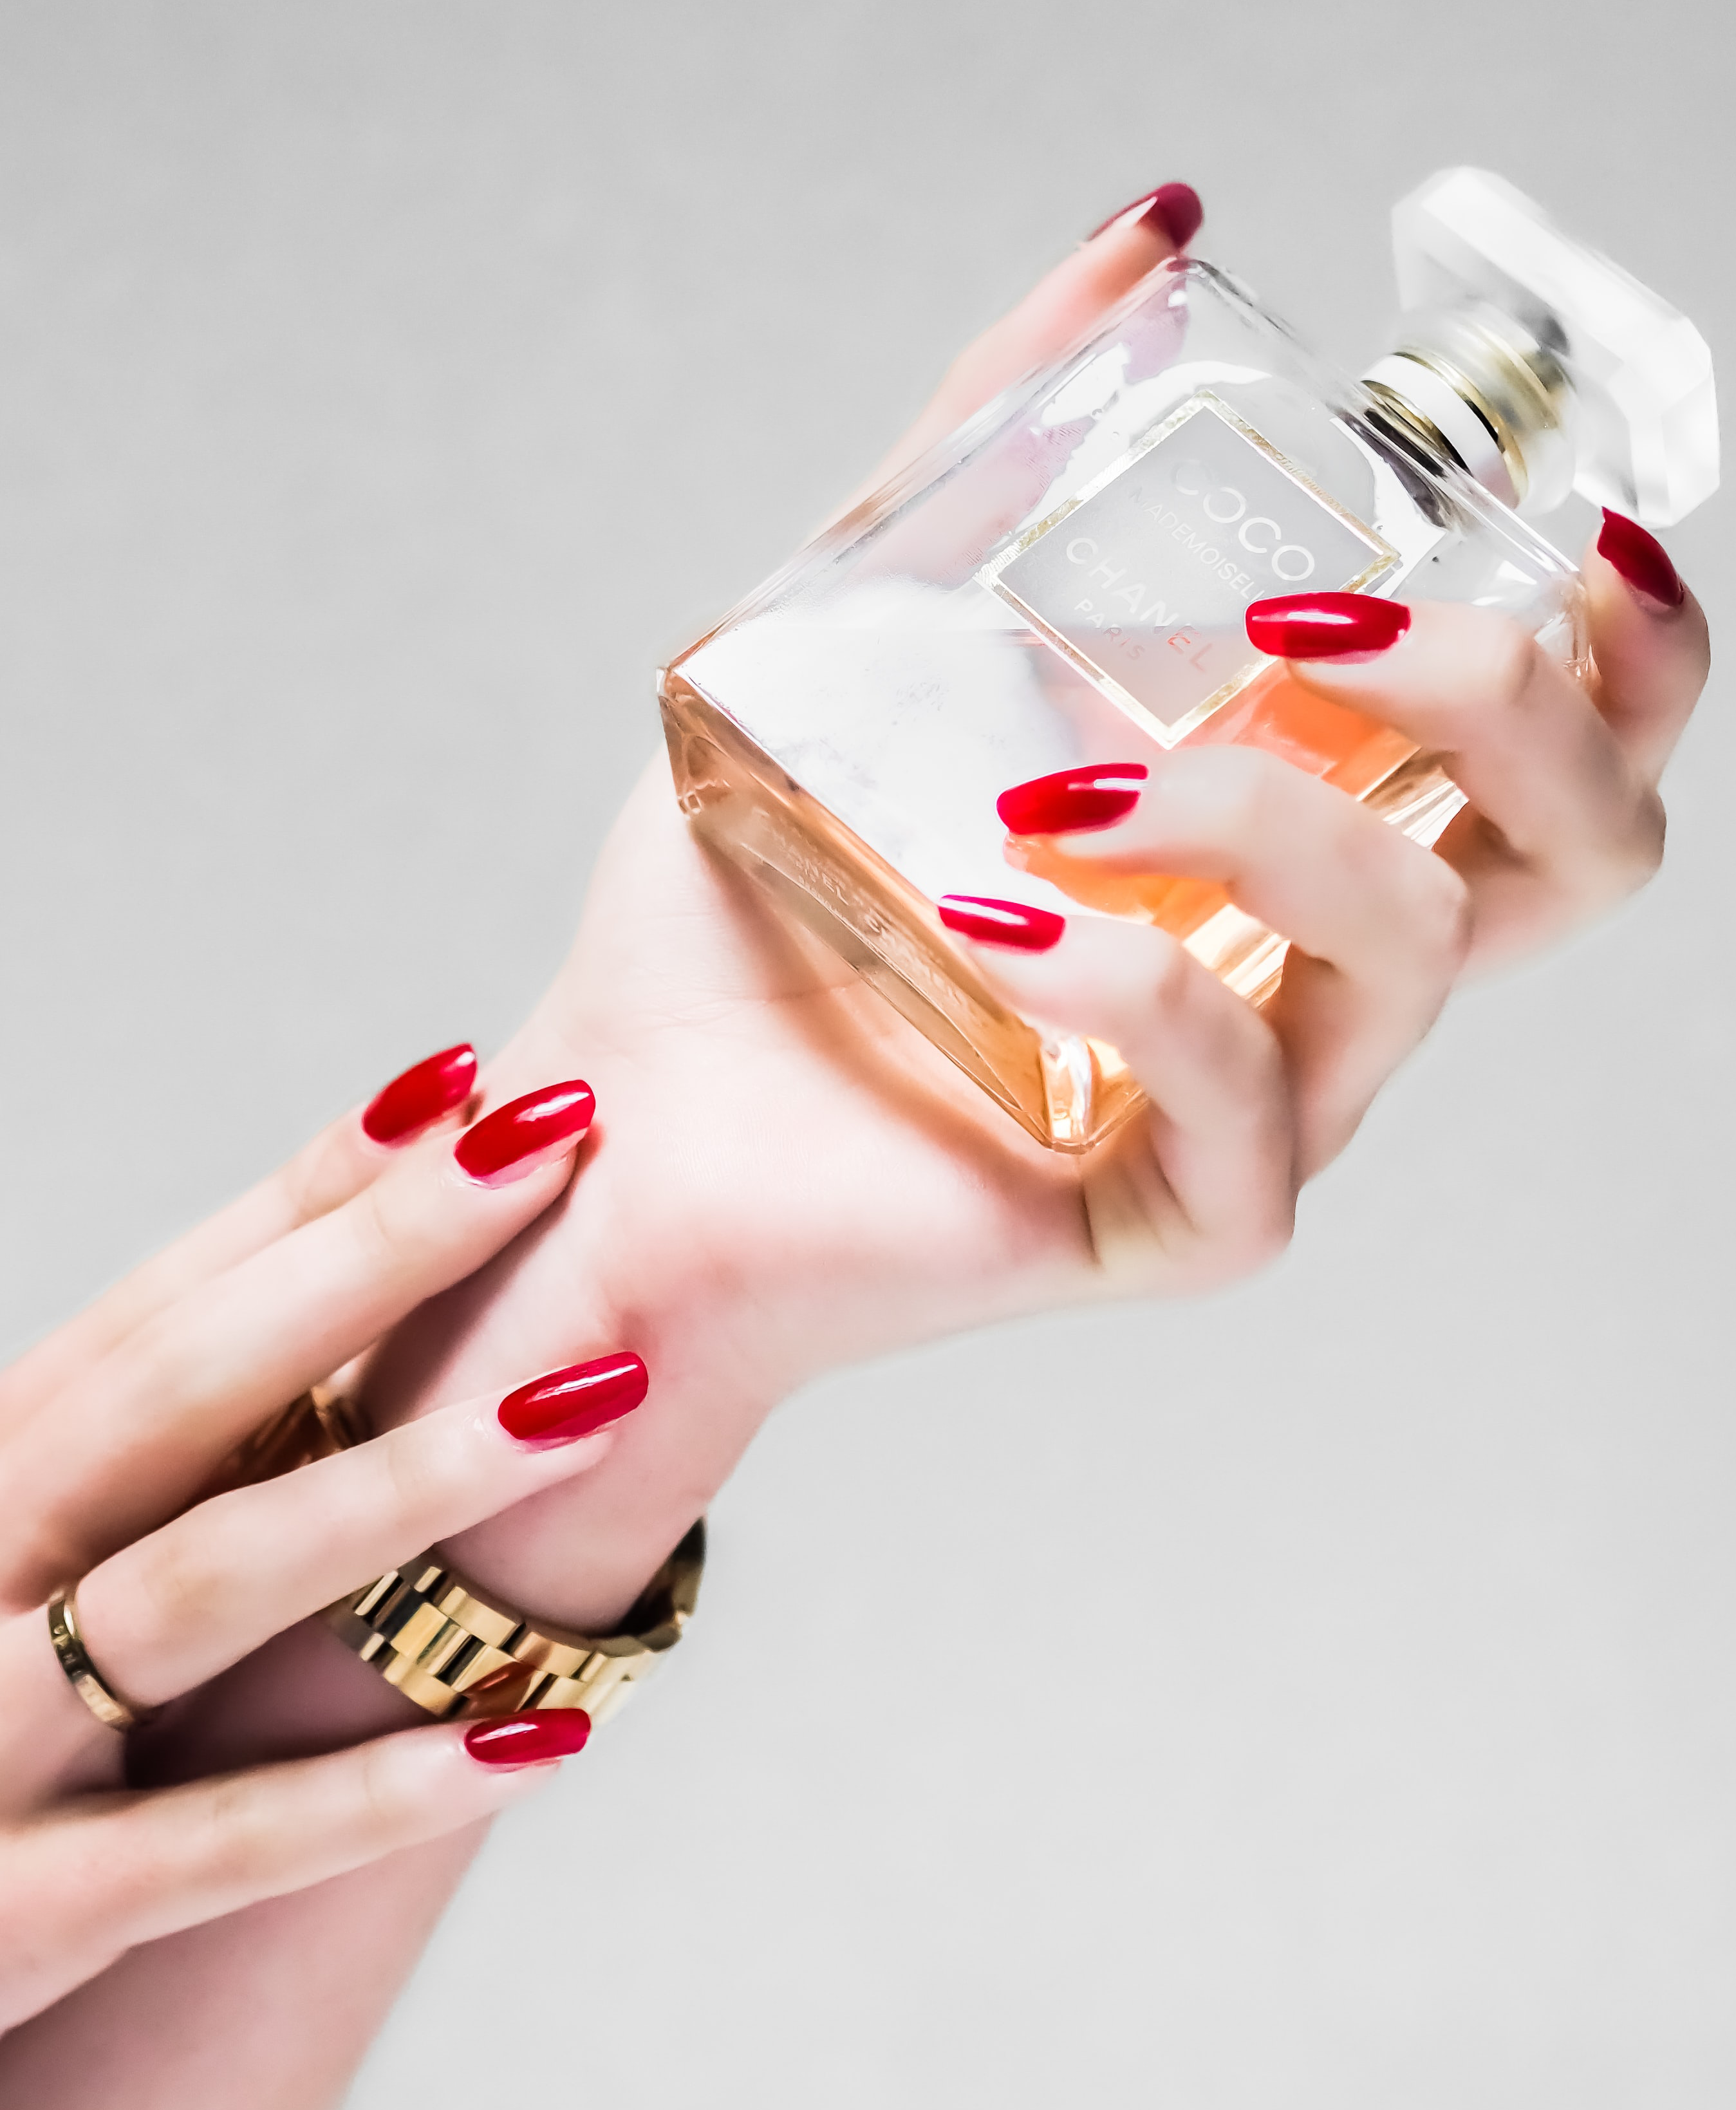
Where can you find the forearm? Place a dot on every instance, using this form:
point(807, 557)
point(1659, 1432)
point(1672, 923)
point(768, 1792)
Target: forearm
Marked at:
point(276, 2006)
point(733, 1300)
point(273, 2007)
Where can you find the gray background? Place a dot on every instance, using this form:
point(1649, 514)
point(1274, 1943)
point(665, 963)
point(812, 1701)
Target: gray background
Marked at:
point(1319, 1696)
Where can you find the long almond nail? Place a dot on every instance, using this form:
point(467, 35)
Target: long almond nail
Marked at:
point(574, 1402)
point(1172, 210)
point(515, 1138)
point(1072, 798)
point(993, 922)
point(1326, 626)
point(529, 1740)
point(1640, 559)
point(420, 1094)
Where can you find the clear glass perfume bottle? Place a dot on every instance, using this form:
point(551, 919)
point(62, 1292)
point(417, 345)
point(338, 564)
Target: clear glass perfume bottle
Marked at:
point(1065, 580)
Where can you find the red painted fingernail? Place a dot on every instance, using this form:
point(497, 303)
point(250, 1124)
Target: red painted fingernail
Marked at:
point(505, 1145)
point(528, 1739)
point(576, 1401)
point(1072, 798)
point(421, 1094)
point(1641, 560)
point(993, 922)
point(1326, 626)
point(1173, 210)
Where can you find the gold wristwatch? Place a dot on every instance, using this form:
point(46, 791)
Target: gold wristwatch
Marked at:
point(452, 1647)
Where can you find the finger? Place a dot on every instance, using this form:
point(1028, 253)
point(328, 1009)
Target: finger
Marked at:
point(175, 1607)
point(1203, 1188)
point(1564, 822)
point(1060, 307)
point(1649, 642)
point(134, 1441)
point(1380, 924)
point(81, 1889)
point(325, 1173)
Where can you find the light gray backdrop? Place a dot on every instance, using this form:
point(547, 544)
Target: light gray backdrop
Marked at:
point(1322, 1695)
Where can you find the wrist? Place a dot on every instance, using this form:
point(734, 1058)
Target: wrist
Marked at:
point(764, 1195)
point(578, 1556)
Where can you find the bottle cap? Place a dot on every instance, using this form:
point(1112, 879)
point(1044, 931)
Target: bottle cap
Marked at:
point(1544, 366)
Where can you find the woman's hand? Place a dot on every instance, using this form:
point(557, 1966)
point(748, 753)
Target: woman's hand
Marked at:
point(109, 1429)
point(1564, 820)
point(789, 1178)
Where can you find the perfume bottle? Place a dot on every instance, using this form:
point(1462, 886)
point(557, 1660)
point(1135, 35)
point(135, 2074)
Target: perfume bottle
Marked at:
point(1065, 580)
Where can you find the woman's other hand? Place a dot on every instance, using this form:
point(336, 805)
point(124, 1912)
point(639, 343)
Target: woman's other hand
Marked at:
point(110, 1429)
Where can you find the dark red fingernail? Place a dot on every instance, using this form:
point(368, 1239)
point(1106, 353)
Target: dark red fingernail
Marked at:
point(505, 1145)
point(421, 1094)
point(1072, 798)
point(1001, 922)
point(528, 1739)
point(1326, 626)
point(1642, 560)
point(576, 1401)
point(1173, 209)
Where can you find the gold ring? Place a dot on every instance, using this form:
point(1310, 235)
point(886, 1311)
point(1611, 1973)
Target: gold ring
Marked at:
point(82, 1674)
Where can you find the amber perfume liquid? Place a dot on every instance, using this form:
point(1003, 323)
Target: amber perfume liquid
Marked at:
point(1068, 1091)
point(1371, 762)
point(1066, 582)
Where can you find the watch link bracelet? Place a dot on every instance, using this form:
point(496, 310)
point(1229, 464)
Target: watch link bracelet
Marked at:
point(454, 1649)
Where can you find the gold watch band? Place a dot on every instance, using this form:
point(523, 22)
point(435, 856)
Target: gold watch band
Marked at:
point(449, 1646)
point(455, 1650)
point(315, 1424)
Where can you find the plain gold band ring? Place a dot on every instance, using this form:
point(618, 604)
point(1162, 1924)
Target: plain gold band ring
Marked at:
point(82, 1674)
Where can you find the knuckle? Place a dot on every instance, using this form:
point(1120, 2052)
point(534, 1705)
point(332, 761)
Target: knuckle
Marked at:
point(233, 1834)
point(1622, 863)
point(177, 1574)
point(394, 1235)
point(374, 1233)
point(1509, 663)
point(1260, 1236)
point(1646, 843)
point(1267, 1236)
point(1172, 977)
point(410, 1471)
point(1252, 1066)
point(302, 1184)
point(384, 1801)
point(1443, 921)
point(1268, 1249)
point(1697, 651)
point(136, 1858)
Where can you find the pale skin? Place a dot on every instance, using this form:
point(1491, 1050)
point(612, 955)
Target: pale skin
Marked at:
point(107, 1433)
point(784, 1178)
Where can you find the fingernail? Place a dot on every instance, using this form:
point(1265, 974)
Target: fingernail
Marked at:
point(1326, 626)
point(505, 1145)
point(1173, 210)
point(421, 1094)
point(993, 922)
point(1072, 798)
point(1641, 560)
point(574, 1402)
point(529, 1740)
